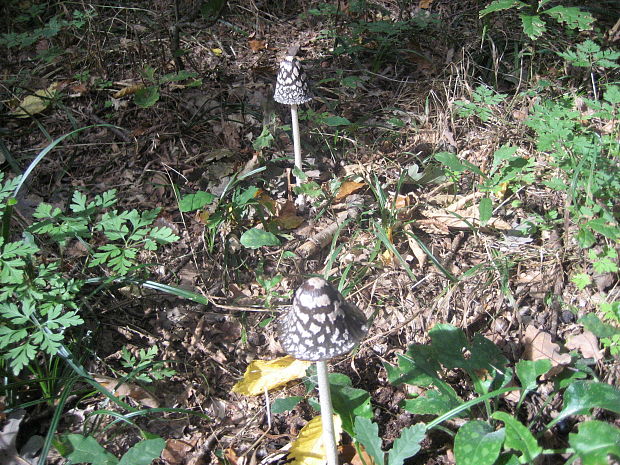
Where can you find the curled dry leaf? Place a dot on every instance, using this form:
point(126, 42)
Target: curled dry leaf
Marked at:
point(586, 343)
point(308, 448)
point(137, 393)
point(538, 346)
point(257, 45)
point(130, 90)
point(270, 374)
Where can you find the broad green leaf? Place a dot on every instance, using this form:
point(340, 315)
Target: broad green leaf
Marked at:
point(485, 208)
point(407, 444)
point(255, 238)
point(477, 443)
point(432, 402)
point(518, 437)
point(533, 26)
point(348, 402)
point(336, 121)
point(528, 372)
point(147, 96)
point(582, 396)
point(192, 202)
point(86, 449)
point(499, 5)
point(367, 434)
point(457, 165)
point(286, 404)
point(143, 453)
point(595, 442)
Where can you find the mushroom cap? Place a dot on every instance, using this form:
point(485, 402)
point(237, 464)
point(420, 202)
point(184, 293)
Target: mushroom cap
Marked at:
point(291, 83)
point(320, 324)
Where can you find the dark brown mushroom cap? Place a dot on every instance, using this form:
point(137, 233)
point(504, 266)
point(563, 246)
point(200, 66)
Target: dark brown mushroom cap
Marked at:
point(291, 83)
point(320, 324)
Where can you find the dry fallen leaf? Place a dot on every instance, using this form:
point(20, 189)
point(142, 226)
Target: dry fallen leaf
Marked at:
point(287, 216)
point(348, 454)
point(176, 451)
point(257, 45)
point(270, 374)
point(426, 4)
point(538, 346)
point(308, 448)
point(348, 188)
point(36, 103)
point(586, 343)
point(130, 90)
point(137, 393)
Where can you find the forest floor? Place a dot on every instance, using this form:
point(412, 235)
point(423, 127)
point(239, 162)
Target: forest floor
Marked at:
point(385, 81)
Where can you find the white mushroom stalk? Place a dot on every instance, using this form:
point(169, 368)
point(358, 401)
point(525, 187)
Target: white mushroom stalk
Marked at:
point(292, 89)
point(321, 325)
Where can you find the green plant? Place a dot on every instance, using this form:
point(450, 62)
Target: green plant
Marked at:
point(143, 366)
point(489, 432)
point(149, 95)
point(85, 449)
point(534, 17)
point(484, 98)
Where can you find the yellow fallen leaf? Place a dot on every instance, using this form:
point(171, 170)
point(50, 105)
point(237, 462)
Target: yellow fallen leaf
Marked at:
point(217, 51)
point(270, 374)
point(347, 188)
point(36, 103)
point(308, 448)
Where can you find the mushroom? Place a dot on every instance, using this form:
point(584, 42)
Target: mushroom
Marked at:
point(292, 89)
point(318, 326)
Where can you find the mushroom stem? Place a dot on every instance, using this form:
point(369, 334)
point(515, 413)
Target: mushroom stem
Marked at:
point(327, 416)
point(296, 139)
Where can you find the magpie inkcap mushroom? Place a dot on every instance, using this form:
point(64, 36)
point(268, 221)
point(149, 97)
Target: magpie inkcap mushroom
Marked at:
point(320, 324)
point(291, 83)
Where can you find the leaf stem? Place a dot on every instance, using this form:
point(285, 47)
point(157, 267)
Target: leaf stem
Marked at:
point(327, 416)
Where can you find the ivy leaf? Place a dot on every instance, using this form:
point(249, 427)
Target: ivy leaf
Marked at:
point(147, 96)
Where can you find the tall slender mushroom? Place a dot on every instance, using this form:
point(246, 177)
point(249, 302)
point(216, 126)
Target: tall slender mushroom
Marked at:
point(321, 325)
point(292, 89)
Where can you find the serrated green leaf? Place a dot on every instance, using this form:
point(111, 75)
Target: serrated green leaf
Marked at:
point(86, 449)
point(407, 444)
point(255, 238)
point(367, 434)
point(143, 453)
point(533, 26)
point(264, 140)
point(20, 356)
point(78, 202)
point(193, 202)
point(581, 280)
point(163, 235)
point(595, 442)
point(573, 17)
point(477, 443)
point(432, 402)
point(518, 437)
